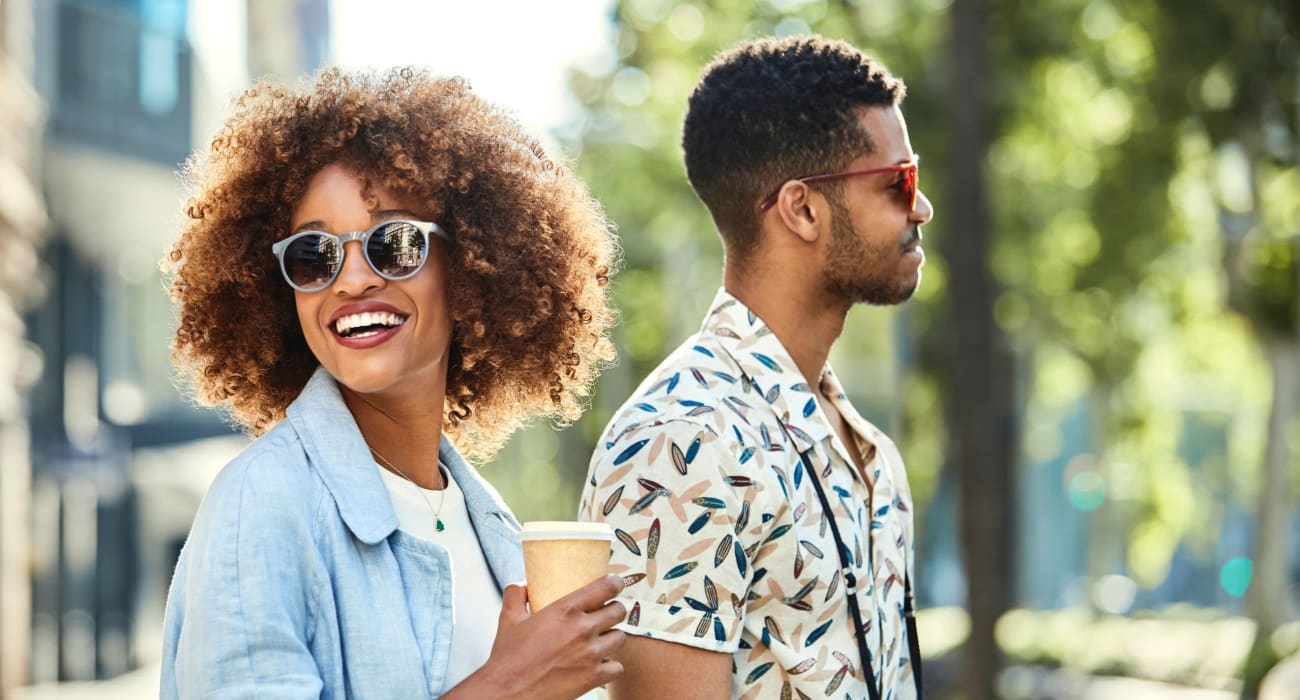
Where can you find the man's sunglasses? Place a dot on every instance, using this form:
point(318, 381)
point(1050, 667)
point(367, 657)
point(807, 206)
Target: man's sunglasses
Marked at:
point(395, 250)
point(907, 189)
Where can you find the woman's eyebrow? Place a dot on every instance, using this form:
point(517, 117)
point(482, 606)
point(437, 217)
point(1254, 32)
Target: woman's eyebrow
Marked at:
point(382, 215)
point(309, 226)
point(391, 214)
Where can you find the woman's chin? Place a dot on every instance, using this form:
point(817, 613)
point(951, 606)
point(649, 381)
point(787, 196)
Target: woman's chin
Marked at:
point(365, 381)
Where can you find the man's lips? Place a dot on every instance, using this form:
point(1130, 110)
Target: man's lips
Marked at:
point(913, 241)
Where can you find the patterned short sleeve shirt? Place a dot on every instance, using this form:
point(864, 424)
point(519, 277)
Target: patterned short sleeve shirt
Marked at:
point(720, 532)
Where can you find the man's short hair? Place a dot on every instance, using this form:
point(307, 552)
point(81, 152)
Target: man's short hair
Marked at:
point(771, 110)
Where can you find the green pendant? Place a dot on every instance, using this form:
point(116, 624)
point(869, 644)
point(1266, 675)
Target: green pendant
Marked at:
point(440, 526)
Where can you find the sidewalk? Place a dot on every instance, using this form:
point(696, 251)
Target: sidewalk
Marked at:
point(1036, 683)
point(135, 685)
point(143, 683)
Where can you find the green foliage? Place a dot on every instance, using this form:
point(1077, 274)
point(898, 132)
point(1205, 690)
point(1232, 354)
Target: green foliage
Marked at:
point(1115, 259)
point(1271, 278)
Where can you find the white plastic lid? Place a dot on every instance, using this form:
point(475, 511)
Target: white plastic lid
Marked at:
point(565, 530)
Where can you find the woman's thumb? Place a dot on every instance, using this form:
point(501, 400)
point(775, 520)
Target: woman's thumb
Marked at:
point(514, 601)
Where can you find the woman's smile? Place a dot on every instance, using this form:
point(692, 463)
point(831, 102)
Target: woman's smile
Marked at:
point(365, 324)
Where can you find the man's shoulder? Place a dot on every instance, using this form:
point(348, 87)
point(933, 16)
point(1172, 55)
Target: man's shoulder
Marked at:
point(690, 387)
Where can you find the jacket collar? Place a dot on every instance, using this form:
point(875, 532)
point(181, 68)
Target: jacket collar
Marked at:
point(771, 376)
point(340, 455)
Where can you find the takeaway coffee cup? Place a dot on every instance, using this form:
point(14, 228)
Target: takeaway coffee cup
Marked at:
point(560, 557)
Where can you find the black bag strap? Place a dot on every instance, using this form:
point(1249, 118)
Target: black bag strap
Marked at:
point(850, 581)
point(913, 641)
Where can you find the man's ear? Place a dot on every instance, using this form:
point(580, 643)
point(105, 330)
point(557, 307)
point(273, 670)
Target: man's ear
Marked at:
point(801, 210)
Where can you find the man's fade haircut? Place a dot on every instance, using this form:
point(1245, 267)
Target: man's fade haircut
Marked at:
point(772, 110)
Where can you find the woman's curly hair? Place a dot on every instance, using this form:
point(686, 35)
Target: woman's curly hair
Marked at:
point(528, 265)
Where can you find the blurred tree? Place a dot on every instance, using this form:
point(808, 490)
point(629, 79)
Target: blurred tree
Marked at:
point(1247, 91)
point(1159, 140)
point(977, 372)
point(1089, 256)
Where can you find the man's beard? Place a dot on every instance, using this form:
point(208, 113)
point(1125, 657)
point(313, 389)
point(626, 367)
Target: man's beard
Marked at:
point(860, 272)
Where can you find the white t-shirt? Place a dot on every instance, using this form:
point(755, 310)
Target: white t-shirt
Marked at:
point(476, 602)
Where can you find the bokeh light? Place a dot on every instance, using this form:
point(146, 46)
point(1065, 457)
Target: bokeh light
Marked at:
point(1087, 491)
point(1235, 576)
point(1115, 593)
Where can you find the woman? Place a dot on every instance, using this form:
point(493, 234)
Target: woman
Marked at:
point(374, 264)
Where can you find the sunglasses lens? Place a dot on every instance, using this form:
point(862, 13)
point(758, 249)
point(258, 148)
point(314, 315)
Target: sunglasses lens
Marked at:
point(311, 261)
point(397, 249)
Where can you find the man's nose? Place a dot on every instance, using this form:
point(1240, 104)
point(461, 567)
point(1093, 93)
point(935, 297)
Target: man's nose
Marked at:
point(924, 209)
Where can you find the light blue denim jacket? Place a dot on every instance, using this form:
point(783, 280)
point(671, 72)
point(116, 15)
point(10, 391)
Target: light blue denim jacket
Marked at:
point(296, 582)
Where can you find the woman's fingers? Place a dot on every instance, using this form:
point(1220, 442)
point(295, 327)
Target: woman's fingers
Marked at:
point(609, 670)
point(566, 645)
point(595, 594)
point(609, 642)
point(611, 614)
point(514, 602)
point(514, 595)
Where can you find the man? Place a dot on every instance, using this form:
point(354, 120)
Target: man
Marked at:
point(711, 473)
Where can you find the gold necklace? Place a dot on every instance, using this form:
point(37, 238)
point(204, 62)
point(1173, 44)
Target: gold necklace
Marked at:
point(436, 520)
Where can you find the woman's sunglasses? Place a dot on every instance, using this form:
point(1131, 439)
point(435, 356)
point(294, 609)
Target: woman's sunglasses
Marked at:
point(907, 187)
point(395, 250)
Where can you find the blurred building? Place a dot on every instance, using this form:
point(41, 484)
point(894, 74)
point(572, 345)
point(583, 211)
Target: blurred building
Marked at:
point(22, 222)
point(118, 458)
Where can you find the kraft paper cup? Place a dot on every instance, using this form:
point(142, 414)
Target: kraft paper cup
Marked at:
point(560, 557)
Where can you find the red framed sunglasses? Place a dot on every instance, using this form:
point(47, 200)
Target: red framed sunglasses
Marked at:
point(907, 192)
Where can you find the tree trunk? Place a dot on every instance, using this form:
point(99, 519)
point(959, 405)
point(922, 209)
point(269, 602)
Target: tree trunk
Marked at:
point(979, 395)
point(1268, 603)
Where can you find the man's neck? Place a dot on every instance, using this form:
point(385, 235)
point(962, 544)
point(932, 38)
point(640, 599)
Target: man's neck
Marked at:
point(801, 317)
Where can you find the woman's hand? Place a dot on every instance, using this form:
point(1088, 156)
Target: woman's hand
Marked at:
point(558, 653)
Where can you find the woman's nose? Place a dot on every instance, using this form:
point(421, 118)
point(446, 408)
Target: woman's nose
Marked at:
point(356, 277)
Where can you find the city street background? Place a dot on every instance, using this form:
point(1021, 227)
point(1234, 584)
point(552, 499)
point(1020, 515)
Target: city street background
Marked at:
point(1096, 389)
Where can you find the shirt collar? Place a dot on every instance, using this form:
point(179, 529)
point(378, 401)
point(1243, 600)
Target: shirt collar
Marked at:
point(862, 429)
point(336, 448)
point(769, 370)
point(835, 392)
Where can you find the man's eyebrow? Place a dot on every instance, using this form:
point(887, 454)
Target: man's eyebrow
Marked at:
point(309, 226)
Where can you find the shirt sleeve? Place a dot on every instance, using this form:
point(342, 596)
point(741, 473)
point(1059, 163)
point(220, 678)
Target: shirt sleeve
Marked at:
point(240, 606)
point(684, 513)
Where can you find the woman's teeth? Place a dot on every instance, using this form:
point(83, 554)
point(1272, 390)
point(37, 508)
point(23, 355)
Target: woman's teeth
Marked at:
point(364, 325)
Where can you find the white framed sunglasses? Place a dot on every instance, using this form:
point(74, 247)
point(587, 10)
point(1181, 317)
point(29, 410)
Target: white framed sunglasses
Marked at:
point(395, 249)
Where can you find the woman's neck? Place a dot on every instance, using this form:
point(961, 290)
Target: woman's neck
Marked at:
point(405, 434)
